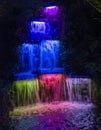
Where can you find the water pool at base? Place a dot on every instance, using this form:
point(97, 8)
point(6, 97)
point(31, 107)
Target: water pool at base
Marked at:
point(56, 116)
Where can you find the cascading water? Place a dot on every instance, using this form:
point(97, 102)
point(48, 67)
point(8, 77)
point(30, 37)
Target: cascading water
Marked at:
point(40, 78)
point(79, 89)
point(38, 27)
point(51, 87)
point(46, 87)
point(25, 92)
point(29, 57)
point(49, 55)
point(43, 57)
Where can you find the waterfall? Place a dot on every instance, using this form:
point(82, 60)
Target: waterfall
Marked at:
point(38, 27)
point(69, 88)
point(49, 54)
point(29, 57)
point(51, 10)
point(51, 87)
point(79, 89)
point(48, 86)
point(44, 56)
point(39, 77)
point(24, 92)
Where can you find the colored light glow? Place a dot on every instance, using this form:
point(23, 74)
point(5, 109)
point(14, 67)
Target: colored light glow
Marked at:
point(25, 92)
point(52, 86)
point(81, 87)
point(51, 10)
point(26, 47)
point(38, 27)
point(31, 60)
point(29, 57)
point(49, 54)
point(52, 41)
point(49, 76)
point(52, 7)
point(52, 80)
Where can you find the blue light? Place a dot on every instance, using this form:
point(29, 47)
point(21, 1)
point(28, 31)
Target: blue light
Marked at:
point(49, 54)
point(38, 27)
point(43, 58)
point(29, 57)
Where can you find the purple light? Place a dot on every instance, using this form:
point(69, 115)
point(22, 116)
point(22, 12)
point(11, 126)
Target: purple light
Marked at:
point(52, 7)
point(38, 27)
point(51, 10)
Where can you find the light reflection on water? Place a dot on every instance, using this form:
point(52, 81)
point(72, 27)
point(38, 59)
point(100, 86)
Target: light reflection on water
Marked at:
point(60, 116)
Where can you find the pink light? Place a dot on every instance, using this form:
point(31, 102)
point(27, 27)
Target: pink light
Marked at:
point(51, 10)
point(51, 79)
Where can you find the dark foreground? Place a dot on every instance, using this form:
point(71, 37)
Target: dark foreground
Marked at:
point(56, 116)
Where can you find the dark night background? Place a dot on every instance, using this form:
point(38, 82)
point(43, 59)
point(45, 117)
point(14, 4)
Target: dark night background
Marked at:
point(81, 40)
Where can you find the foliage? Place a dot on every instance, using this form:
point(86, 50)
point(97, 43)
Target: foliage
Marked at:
point(96, 4)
